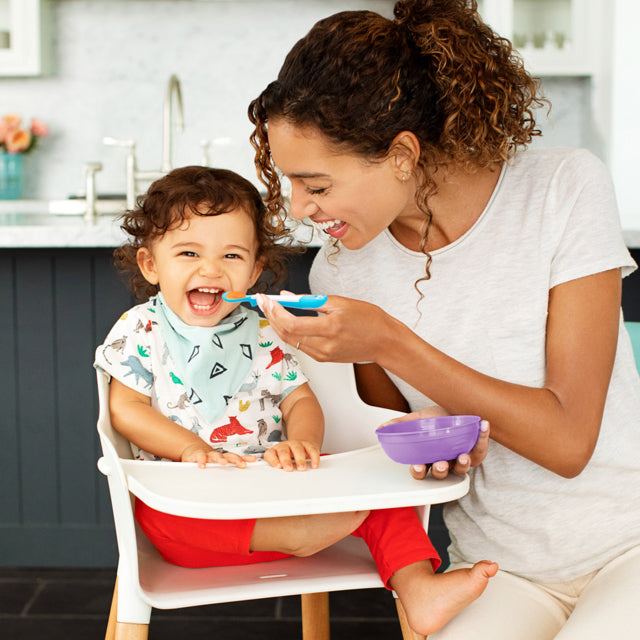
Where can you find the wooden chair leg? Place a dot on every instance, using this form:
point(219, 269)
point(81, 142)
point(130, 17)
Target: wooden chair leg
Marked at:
point(123, 630)
point(131, 631)
point(315, 616)
point(113, 615)
point(407, 632)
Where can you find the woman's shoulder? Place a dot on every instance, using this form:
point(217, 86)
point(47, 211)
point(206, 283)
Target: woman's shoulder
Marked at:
point(543, 163)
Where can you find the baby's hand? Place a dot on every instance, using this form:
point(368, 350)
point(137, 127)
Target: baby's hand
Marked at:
point(284, 454)
point(201, 454)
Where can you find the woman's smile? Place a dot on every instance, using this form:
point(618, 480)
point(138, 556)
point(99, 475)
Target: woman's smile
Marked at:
point(334, 228)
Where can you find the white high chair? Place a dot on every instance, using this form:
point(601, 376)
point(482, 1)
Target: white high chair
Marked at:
point(363, 478)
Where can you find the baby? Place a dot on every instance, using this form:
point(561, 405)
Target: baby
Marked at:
point(195, 378)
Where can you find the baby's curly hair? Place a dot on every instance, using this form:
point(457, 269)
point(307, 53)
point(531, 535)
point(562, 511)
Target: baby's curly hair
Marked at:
point(436, 70)
point(206, 192)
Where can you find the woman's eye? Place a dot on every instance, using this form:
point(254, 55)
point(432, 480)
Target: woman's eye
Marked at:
point(316, 192)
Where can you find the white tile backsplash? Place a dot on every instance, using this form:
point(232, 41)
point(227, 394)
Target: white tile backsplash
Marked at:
point(111, 60)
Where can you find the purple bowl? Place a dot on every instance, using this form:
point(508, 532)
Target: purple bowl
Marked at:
point(428, 440)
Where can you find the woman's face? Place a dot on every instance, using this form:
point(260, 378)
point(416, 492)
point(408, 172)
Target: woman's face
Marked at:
point(345, 196)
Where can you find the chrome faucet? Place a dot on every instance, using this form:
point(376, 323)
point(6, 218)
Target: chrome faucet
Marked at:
point(133, 174)
point(173, 88)
point(90, 169)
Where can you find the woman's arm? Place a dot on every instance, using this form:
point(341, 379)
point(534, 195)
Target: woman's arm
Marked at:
point(377, 389)
point(556, 426)
point(133, 416)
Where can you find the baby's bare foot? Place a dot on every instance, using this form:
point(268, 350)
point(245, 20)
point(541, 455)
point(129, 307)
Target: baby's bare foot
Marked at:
point(431, 600)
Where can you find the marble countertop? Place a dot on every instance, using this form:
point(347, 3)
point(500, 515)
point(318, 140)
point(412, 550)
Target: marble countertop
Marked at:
point(65, 231)
point(20, 231)
point(27, 224)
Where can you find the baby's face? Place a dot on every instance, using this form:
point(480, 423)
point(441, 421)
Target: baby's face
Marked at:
point(195, 263)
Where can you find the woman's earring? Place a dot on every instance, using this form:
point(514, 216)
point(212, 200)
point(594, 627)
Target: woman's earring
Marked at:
point(406, 176)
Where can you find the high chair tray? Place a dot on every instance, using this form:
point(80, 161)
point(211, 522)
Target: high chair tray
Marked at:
point(361, 479)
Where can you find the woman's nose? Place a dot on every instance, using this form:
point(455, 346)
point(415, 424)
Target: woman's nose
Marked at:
point(300, 205)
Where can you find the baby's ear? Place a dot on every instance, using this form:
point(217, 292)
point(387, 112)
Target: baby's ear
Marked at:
point(147, 265)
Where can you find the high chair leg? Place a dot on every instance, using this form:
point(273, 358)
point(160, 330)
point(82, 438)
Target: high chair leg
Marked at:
point(113, 615)
point(407, 632)
point(131, 631)
point(315, 616)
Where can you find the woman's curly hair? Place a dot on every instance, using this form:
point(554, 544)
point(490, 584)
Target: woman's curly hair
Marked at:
point(205, 192)
point(437, 70)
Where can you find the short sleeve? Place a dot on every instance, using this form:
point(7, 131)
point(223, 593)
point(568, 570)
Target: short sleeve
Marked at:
point(587, 225)
point(126, 352)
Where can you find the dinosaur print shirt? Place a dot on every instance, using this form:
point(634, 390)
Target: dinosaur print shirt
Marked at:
point(136, 354)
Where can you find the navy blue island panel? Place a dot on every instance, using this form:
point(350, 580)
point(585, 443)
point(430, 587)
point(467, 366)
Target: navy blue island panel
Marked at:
point(57, 306)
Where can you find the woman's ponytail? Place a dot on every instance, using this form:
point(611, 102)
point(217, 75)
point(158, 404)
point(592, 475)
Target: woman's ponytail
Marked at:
point(486, 96)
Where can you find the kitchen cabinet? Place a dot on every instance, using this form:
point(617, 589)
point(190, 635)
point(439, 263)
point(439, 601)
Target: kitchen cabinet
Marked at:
point(21, 24)
point(555, 37)
point(58, 305)
point(563, 38)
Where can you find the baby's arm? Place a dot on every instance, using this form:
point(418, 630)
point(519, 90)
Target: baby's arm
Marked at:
point(304, 422)
point(133, 416)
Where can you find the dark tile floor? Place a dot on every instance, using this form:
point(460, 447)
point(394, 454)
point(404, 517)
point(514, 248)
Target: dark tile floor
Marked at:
point(73, 604)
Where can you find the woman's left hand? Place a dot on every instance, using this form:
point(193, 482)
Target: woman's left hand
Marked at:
point(441, 470)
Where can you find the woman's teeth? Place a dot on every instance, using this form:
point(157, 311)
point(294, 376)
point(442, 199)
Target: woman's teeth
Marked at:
point(327, 224)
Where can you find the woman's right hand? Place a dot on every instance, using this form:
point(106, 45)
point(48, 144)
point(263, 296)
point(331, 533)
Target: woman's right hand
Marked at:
point(345, 331)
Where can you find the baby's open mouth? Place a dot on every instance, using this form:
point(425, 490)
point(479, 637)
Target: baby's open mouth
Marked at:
point(204, 299)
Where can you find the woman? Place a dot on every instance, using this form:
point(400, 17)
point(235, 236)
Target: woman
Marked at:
point(469, 272)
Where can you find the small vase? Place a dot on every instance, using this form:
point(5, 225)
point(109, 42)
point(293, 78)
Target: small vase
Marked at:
point(11, 176)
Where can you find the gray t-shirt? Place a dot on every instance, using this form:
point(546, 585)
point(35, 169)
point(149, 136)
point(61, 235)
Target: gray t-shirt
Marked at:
point(552, 218)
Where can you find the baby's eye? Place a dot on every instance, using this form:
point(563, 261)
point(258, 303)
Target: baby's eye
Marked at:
point(233, 256)
point(189, 254)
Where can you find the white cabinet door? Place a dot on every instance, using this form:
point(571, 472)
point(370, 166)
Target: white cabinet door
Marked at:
point(555, 37)
point(20, 37)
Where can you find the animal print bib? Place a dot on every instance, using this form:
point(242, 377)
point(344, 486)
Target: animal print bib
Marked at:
point(212, 362)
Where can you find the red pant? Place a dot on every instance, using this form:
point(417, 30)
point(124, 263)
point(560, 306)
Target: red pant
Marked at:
point(395, 538)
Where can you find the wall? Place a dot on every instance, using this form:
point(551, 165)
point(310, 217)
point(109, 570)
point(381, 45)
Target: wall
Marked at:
point(111, 59)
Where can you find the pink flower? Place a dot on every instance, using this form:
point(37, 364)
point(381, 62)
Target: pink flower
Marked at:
point(18, 141)
point(11, 121)
point(39, 128)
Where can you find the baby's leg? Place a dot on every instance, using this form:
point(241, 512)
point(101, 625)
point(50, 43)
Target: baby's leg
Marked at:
point(304, 535)
point(430, 600)
point(406, 560)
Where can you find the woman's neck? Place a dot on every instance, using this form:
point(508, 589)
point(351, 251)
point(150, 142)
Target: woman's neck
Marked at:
point(460, 199)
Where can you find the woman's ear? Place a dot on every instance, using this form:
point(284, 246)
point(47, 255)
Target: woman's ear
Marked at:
point(147, 265)
point(404, 152)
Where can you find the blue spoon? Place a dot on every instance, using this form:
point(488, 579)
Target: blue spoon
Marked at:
point(293, 301)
